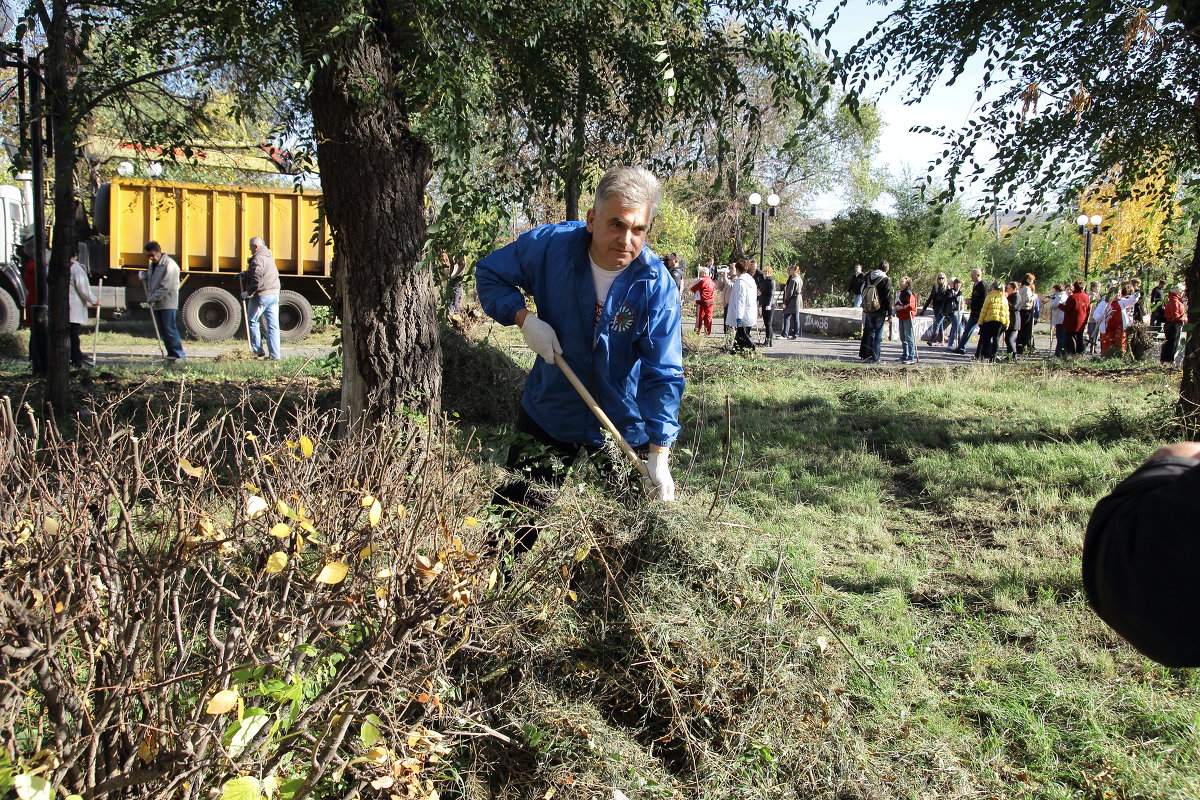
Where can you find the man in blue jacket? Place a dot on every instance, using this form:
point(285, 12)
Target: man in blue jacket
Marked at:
point(608, 307)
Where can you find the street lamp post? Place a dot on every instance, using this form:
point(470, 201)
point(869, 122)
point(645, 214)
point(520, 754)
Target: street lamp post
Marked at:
point(1088, 227)
point(762, 214)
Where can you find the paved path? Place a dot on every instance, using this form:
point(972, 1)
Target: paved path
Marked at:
point(846, 350)
point(819, 347)
point(115, 355)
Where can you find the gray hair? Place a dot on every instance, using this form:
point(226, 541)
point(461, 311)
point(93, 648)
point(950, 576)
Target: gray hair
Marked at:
point(257, 241)
point(1180, 288)
point(705, 271)
point(631, 187)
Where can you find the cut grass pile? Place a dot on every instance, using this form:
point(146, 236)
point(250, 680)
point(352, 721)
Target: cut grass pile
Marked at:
point(931, 522)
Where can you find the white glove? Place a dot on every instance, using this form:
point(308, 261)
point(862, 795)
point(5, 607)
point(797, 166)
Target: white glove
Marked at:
point(540, 337)
point(660, 475)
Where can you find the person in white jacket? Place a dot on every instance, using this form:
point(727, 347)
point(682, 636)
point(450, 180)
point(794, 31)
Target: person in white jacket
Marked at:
point(742, 312)
point(80, 297)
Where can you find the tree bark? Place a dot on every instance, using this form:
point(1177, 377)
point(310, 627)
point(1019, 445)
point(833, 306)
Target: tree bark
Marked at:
point(374, 172)
point(58, 67)
point(1188, 407)
point(1189, 390)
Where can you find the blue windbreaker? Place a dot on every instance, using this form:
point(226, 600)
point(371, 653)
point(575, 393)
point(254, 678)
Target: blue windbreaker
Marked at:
point(631, 360)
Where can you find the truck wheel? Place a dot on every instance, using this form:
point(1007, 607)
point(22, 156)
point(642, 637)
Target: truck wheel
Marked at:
point(10, 314)
point(211, 314)
point(295, 316)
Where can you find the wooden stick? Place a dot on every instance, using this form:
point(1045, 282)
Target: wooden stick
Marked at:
point(96, 333)
point(590, 401)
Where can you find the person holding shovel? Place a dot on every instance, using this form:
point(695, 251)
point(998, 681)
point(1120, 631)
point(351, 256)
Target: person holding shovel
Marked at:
point(607, 309)
point(261, 293)
point(161, 279)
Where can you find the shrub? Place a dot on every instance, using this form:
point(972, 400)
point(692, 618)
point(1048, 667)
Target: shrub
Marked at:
point(226, 605)
point(13, 346)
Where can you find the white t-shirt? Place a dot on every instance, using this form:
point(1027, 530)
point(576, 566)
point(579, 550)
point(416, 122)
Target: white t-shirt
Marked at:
point(603, 280)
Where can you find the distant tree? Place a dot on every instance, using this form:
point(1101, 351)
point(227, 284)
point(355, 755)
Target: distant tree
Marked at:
point(827, 253)
point(1136, 228)
point(1107, 93)
point(674, 231)
point(141, 61)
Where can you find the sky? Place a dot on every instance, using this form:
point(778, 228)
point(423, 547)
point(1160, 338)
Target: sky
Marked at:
point(898, 147)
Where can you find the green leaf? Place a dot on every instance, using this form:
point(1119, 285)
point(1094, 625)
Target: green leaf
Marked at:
point(33, 787)
point(369, 735)
point(243, 731)
point(243, 789)
point(288, 789)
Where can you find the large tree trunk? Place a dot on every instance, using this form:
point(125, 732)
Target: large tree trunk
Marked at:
point(1189, 390)
point(374, 171)
point(58, 67)
point(1188, 408)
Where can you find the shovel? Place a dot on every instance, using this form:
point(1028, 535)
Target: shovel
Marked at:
point(96, 333)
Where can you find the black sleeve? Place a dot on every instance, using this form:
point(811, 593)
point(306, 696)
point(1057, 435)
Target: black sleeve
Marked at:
point(1141, 560)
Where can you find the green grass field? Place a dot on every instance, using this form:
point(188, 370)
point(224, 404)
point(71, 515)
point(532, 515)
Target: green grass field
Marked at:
point(869, 588)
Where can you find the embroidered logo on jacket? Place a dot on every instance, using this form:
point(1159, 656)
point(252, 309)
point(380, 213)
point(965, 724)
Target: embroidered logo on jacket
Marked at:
point(624, 319)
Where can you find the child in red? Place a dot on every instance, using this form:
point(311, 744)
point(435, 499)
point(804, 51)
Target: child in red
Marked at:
point(703, 290)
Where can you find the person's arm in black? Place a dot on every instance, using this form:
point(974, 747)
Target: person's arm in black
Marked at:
point(1141, 557)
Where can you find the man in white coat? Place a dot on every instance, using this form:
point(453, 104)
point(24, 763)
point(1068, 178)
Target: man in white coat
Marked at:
point(80, 297)
point(742, 312)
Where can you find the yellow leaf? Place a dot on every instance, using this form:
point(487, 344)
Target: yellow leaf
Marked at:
point(222, 702)
point(255, 507)
point(250, 487)
point(470, 522)
point(284, 509)
point(51, 526)
point(383, 574)
point(366, 552)
point(276, 562)
point(368, 500)
point(250, 437)
point(205, 526)
point(377, 754)
point(574, 597)
point(375, 513)
point(306, 524)
point(281, 530)
point(582, 552)
point(334, 572)
point(306, 446)
point(186, 466)
point(381, 592)
point(401, 511)
point(148, 749)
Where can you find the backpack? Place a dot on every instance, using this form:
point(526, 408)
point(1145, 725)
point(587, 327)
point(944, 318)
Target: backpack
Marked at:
point(871, 295)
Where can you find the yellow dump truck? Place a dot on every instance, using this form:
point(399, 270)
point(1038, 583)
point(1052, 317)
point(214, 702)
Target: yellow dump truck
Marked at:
point(206, 229)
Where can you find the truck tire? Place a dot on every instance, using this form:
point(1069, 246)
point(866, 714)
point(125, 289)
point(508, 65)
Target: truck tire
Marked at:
point(10, 313)
point(295, 316)
point(211, 314)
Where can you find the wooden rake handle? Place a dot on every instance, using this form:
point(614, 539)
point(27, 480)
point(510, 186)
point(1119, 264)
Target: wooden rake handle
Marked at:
point(590, 401)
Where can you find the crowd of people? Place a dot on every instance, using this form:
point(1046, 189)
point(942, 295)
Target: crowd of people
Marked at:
point(1001, 315)
point(749, 297)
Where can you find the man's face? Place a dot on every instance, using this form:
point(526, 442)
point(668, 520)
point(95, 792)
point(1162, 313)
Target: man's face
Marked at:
point(153, 255)
point(976, 274)
point(618, 234)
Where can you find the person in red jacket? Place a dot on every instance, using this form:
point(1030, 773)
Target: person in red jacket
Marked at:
point(703, 290)
point(906, 309)
point(1075, 316)
point(1174, 316)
